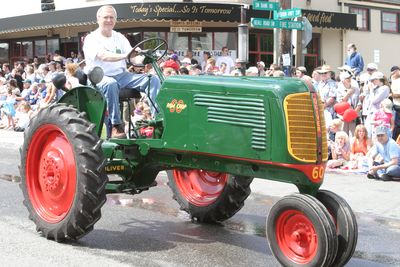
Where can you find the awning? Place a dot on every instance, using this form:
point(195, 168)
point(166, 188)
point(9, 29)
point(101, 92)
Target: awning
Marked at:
point(162, 12)
point(320, 18)
point(326, 19)
point(126, 13)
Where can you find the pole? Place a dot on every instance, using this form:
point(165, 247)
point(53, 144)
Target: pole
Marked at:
point(299, 46)
point(285, 45)
point(243, 41)
point(276, 46)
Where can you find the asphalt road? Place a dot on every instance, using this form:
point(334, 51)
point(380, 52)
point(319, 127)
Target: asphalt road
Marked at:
point(150, 230)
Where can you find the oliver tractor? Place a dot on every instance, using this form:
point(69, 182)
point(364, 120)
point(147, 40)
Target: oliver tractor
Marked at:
point(212, 135)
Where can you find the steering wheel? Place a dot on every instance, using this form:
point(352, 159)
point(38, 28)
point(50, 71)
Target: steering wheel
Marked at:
point(148, 49)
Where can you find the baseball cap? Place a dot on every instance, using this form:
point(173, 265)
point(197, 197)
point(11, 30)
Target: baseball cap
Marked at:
point(27, 81)
point(376, 76)
point(346, 68)
point(394, 68)
point(186, 60)
point(253, 70)
point(381, 129)
point(372, 66)
point(174, 56)
point(344, 75)
point(261, 63)
point(302, 69)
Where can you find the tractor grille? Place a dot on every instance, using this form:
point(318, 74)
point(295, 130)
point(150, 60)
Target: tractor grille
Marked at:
point(302, 128)
point(239, 111)
point(323, 129)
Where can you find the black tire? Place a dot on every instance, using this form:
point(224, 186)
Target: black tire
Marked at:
point(346, 225)
point(227, 200)
point(301, 216)
point(62, 171)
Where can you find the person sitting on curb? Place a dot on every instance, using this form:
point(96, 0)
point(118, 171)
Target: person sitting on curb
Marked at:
point(388, 149)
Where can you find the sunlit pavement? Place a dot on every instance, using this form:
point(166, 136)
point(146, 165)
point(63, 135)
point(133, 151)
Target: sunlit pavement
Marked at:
point(367, 196)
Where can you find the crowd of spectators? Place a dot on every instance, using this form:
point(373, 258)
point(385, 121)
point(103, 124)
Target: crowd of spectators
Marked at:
point(27, 85)
point(356, 102)
point(360, 107)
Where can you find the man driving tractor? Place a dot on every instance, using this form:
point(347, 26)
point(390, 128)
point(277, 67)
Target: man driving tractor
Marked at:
point(109, 50)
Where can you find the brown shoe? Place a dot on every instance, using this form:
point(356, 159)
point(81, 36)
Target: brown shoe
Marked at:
point(117, 133)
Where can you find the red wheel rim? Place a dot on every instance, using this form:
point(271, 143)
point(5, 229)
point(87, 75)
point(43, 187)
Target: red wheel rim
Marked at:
point(51, 173)
point(296, 236)
point(200, 187)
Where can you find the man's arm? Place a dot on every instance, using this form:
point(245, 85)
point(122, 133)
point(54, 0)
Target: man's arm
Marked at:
point(393, 161)
point(381, 95)
point(110, 56)
point(125, 49)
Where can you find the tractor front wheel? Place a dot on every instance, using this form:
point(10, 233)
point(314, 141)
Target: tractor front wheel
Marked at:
point(62, 171)
point(346, 225)
point(209, 196)
point(301, 232)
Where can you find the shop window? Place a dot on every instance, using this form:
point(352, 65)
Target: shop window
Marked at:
point(222, 39)
point(4, 48)
point(40, 48)
point(261, 47)
point(201, 41)
point(148, 35)
point(312, 55)
point(266, 43)
point(390, 22)
point(362, 13)
point(52, 45)
point(134, 37)
point(253, 42)
point(178, 42)
point(27, 49)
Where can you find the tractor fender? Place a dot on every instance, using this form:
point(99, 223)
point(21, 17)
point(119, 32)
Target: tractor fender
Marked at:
point(89, 100)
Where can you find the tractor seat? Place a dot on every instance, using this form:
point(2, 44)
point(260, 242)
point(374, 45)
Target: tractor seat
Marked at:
point(125, 94)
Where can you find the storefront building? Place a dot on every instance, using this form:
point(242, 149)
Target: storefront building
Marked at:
point(205, 26)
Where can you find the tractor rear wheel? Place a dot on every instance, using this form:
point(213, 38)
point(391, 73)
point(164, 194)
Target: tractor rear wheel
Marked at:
point(209, 196)
point(62, 171)
point(301, 232)
point(346, 225)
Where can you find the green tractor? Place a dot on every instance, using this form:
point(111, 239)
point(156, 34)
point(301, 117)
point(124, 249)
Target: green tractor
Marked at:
point(212, 135)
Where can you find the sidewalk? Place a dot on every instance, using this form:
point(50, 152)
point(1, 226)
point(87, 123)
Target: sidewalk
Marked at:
point(364, 195)
point(367, 196)
point(11, 139)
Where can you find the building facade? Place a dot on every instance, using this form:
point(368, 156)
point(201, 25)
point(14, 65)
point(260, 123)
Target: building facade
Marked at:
point(206, 26)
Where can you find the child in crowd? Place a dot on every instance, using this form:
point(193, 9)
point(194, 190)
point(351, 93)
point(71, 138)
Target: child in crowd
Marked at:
point(23, 116)
point(211, 68)
point(340, 150)
point(70, 73)
point(8, 110)
point(360, 145)
point(138, 113)
point(147, 113)
point(383, 116)
point(334, 127)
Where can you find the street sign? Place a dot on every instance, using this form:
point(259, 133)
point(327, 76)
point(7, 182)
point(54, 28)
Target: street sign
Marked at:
point(287, 13)
point(282, 24)
point(307, 33)
point(263, 5)
point(185, 29)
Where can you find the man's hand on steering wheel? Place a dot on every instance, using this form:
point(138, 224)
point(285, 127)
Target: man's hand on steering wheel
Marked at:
point(149, 55)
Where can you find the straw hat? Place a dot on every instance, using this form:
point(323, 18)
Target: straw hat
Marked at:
point(324, 69)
